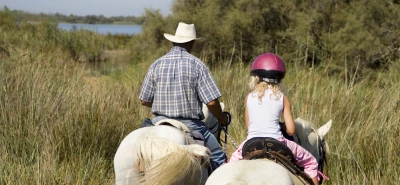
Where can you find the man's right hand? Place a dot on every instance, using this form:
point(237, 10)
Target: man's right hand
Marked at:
point(224, 119)
point(229, 117)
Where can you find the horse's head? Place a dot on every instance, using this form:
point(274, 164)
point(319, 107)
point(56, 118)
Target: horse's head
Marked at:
point(209, 118)
point(211, 121)
point(311, 139)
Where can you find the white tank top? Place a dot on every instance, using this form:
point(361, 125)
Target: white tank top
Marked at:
point(264, 116)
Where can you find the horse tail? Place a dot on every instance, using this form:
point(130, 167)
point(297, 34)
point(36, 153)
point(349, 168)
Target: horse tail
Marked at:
point(163, 162)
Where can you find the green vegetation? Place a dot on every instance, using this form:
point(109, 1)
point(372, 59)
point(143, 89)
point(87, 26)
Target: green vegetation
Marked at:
point(88, 19)
point(68, 98)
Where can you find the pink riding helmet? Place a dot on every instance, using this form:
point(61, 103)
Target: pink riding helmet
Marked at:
point(269, 67)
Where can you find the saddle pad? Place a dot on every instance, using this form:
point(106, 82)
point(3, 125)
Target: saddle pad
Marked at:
point(267, 144)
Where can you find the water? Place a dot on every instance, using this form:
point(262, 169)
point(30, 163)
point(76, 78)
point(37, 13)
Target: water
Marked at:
point(104, 28)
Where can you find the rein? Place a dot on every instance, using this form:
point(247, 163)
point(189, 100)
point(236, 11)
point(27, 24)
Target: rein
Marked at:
point(225, 129)
point(230, 138)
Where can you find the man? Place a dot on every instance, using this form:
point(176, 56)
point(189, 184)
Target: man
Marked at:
point(178, 83)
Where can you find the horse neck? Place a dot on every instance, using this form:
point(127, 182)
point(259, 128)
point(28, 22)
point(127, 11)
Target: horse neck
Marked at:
point(307, 138)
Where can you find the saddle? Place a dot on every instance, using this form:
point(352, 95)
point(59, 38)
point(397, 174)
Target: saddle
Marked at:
point(274, 150)
point(195, 135)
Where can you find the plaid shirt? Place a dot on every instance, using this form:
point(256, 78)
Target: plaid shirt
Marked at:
point(177, 84)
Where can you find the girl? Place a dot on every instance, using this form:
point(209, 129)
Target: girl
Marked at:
point(265, 105)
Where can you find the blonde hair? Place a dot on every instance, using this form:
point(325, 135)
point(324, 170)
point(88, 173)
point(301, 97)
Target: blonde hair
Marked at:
point(258, 88)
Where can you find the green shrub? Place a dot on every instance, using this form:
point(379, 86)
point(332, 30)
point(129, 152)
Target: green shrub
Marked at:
point(342, 34)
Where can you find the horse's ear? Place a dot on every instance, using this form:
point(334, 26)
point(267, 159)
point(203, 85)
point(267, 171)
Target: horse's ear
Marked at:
point(324, 129)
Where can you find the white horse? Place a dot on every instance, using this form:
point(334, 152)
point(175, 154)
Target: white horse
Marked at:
point(264, 171)
point(162, 155)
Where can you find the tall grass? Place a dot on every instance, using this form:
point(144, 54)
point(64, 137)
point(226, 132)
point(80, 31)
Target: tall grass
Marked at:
point(60, 125)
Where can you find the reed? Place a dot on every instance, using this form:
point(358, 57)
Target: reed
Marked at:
point(60, 125)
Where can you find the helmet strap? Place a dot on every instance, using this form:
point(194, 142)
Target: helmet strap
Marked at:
point(270, 80)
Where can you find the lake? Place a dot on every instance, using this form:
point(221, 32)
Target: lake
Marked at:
point(104, 28)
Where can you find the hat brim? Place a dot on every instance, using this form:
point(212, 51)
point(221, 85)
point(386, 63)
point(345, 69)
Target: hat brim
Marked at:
point(179, 39)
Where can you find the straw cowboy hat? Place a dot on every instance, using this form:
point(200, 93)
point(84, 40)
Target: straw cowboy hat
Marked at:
point(184, 33)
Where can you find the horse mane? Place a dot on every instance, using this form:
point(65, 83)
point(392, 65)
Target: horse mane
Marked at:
point(307, 136)
point(304, 123)
point(158, 159)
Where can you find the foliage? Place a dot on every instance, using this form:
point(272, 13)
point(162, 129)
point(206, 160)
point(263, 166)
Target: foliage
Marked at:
point(82, 45)
point(150, 44)
point(347, 36)
point(7, 20)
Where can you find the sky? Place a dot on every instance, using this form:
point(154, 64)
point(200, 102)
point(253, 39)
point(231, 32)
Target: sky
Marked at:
point(89, 7)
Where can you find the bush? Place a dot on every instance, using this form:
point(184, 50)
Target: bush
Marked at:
point(346, 34)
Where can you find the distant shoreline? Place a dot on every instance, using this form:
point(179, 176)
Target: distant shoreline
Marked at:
point(113, 23)
point(21, 16)
point(116, 23)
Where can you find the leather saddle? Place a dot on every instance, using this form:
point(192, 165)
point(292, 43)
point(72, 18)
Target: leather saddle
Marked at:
point(274, 150)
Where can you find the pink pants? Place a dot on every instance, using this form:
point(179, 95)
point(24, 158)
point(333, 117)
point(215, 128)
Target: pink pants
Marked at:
point(303, 157)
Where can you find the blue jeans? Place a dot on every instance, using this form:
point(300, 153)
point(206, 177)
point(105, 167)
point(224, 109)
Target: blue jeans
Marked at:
point(218, 156)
